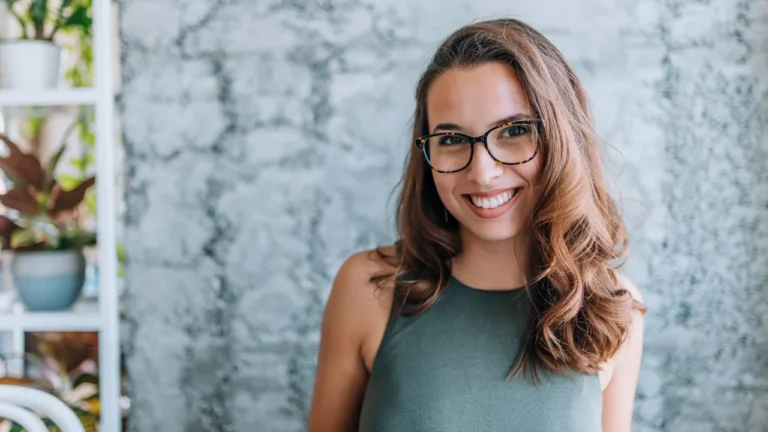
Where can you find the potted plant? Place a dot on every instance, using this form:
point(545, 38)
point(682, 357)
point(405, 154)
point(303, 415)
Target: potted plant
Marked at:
point(41, 228)
point(33, 61)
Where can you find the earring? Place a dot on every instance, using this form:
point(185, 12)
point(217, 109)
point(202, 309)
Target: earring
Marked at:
point(445, 211)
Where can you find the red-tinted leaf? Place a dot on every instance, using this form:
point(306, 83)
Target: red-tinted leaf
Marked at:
point(64, 201)
point(21, 167)
point(49, 181)
point(6, 224)
point(7, 227)
point(21, 199)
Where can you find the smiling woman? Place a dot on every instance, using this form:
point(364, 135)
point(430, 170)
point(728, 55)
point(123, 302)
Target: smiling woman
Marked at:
point(501, 306)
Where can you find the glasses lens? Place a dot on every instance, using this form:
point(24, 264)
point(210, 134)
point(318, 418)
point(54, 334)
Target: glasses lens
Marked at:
point(509, 143)
point(447, 152)
point(513, 143)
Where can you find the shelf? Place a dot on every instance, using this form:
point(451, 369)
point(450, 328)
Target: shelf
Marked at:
point(52, 97)
point(84, 316)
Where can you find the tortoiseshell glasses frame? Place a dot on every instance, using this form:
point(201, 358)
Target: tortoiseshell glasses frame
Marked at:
point(421, 143)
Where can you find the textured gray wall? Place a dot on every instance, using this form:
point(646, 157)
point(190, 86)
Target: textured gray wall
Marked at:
point(264, 137)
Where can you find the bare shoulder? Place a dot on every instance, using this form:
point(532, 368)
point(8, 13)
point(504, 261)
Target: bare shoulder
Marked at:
point(638, 314)
point(620, 376)
point(355, 298)
point(631, 350)
point(359, 306)
point(353, 281)
point(362, 265)
point(629, 286)
point(354, 321)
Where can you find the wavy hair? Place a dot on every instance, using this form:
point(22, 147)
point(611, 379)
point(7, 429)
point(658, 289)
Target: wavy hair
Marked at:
point(580, 313)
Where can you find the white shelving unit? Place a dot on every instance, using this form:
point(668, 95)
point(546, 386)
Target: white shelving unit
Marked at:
point(59, 97)
point(85, 316)
point(101, 316)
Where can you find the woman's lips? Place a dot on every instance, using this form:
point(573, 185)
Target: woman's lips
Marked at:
point(492, 204)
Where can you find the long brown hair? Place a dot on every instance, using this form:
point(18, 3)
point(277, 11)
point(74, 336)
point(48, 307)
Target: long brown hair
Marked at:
point(580, 313)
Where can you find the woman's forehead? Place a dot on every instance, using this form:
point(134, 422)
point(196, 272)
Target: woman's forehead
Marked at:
point(475, 97)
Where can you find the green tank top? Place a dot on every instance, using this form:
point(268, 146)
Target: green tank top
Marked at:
point(445, 370)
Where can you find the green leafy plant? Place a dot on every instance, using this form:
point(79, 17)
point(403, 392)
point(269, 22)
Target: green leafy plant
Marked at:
point(67, 368)
point(80, 73)
point(40, 22)
point(44, 212)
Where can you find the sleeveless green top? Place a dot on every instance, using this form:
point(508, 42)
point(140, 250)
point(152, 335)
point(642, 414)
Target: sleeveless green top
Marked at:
point(445, 370)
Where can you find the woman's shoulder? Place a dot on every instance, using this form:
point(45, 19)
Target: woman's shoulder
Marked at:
point(361, 286)
point(355, 317)
point(631, 349)
point(627, 284)
point(359, 306)
point(361, 270)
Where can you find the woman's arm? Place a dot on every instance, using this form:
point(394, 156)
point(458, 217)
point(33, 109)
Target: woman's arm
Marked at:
point(619, 395)
point(351, 313)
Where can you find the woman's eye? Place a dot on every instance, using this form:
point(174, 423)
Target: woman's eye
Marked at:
point(452, 140)
point(515, 131)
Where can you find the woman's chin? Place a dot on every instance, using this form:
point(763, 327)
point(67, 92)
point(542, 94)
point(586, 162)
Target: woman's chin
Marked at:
point(492, 233)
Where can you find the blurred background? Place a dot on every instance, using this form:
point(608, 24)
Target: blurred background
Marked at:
point(251, 146)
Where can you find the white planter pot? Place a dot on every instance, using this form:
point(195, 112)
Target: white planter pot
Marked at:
point(29, 64)
point(48, 280)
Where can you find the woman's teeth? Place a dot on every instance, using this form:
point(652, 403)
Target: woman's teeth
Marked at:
point(494, 201)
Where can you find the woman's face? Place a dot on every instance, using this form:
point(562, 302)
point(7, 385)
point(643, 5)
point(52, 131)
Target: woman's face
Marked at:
point(491, 201)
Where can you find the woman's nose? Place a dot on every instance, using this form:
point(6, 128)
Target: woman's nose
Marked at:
point(483, 169)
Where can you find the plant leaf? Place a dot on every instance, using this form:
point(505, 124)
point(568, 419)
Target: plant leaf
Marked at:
point(7, 228)
point(49, 170)
point(65, 4)
point(24, 238)
point(19, 198)
point(68, 181)
point(76, 238)
point(78, 18)
point(80, 393)
point(21, 167)
point(64, 201)
point(91, 203)
point(38, 12)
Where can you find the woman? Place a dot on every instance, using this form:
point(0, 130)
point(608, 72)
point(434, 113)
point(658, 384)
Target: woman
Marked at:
point(500, 308)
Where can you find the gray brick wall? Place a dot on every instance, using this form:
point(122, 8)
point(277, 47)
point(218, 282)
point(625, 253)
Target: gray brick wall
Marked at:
point(264, 137)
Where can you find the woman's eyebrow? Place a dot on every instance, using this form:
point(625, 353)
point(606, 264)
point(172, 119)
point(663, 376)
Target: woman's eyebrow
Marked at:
point(511, 118)
point(447, 126)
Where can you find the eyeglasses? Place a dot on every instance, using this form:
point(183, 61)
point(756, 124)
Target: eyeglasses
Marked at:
point(511, 143)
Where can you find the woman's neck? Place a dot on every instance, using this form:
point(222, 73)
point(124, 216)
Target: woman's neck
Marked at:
point(498, 265)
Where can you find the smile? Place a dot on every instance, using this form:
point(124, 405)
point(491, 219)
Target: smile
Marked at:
point(493, 201)
point(492, 204)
